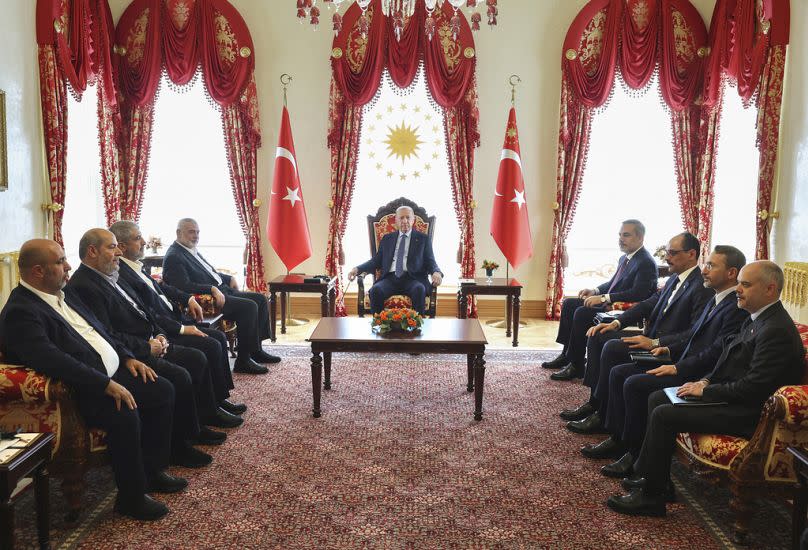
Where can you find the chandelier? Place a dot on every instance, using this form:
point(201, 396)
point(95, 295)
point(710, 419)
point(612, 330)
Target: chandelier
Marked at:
point(399, 10)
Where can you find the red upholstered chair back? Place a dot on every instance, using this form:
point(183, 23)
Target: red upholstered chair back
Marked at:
point(384, 222)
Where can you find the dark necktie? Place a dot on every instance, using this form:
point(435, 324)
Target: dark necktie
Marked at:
point(708, 310)
point(662, 307)
point(402, 242)
point(617, 275)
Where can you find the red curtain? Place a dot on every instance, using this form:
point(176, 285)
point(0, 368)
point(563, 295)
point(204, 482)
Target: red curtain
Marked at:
point(75, 48)
point(357, 63)
point(181, 36)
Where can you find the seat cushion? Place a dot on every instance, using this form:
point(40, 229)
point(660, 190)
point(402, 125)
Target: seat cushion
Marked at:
point(713, 450)
point(397, 300)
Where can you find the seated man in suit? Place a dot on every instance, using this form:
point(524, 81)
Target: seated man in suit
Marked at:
point(111, 300)
point(767, 353)
point(630, 384)
point(406, 262)
point(52, 332)
point(669, 315)
point(186, 269)
point(634, 280)
point(181, 329)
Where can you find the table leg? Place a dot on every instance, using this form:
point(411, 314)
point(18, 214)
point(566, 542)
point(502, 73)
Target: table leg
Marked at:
point(6, 525)
point(284, 298)
point(464, 304)
point(324, 303)
point(316, 381)
point(327, 364)
point(273, 314)
point(42, 507)
point(332, 302)
point(799, 510)
point(517, 306)
point(508, 308)
point(479, 379)
point(470, 372)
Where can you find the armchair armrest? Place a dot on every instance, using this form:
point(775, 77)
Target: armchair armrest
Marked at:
point(794, 409)
point(21, 384)
point(360, 294)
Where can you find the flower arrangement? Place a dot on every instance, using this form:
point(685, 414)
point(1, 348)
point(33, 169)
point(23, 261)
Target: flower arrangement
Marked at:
point(661, 252)
point(154, 243)
point(490, 265)
point(397, 319)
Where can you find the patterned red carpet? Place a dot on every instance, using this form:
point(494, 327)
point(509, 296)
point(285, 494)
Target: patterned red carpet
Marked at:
point(396, 461)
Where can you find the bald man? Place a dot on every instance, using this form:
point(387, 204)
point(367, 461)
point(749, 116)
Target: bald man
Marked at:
point(51, 331)
point(767, 353)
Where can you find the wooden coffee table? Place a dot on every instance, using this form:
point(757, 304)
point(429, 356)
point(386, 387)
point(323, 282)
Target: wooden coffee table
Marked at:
point(352, 334)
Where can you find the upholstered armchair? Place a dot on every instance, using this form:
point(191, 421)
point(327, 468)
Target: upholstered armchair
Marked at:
point(379, 225)
point(213, 317)
point(32, 402)
point(760, 466)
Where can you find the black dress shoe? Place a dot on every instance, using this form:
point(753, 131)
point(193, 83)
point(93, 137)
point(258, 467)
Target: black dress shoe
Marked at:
point(578, 413)
point(223, 419)
point(638, 503)
point(631, 483)
point(608, 448)
point(233, 408)
point(248, 366)
point(163, 482)
point(589, 425)
point(264, 357)
point(210, 437)
point(143, 508)
point(567, 373)
point(556, 363)
point(189, 457)
point(622, 467)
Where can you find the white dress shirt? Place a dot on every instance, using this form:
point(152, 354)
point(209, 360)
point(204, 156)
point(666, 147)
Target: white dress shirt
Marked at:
point(107, 353)
point(209, 268)
point(682, 278)
point(137, 267)
point(406, 250)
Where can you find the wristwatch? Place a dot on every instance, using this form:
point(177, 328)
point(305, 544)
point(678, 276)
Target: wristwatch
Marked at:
point(603, 299)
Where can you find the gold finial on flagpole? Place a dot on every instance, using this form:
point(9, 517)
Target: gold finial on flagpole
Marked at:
point(513, 87)
point(285, 80)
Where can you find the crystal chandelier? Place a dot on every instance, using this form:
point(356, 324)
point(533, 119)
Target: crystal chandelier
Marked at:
point(399, 10)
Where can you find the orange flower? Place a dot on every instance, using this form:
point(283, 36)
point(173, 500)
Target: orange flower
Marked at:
point(411, 322)
point(396, 316)
point(383, 316)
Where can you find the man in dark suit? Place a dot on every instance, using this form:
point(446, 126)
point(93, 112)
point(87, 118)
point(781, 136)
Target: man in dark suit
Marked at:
point(767, 353)
point(635, 279)
point(54, 333)
point(186, 269)
point(630, 384)
point(111, 300)
point(406, 262)
point(180, 328)
point(669, 314)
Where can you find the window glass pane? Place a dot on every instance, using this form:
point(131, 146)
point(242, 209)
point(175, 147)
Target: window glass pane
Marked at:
point(189, 177)
point(402, 153)
point(84, 200)
point(629, 174)
point(736, 176)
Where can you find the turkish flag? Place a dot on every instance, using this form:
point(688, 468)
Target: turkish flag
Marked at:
point(510, 226)
point(287, 226)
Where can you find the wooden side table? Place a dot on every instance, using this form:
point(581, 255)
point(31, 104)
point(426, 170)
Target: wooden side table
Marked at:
point(510, 288)
point(18, 461)
point(801, 497)
point(296, 283)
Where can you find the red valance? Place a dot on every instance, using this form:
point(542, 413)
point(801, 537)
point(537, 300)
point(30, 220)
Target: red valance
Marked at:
point(357, 61)
point(180, 36)
point(640, 36)
point(81, 33)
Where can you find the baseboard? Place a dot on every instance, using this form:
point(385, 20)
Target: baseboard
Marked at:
point(303, 305)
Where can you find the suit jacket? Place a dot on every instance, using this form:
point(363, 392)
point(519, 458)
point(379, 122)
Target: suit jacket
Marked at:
point(34, 334)
point(115, 312)
point(183, 271)
point(672, 324)
point(633, 282)
point(420, 258)
point(766, 354)
point(169, 319)
point(712, 326)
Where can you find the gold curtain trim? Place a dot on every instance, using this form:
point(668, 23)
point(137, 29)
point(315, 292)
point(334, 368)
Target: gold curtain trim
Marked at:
point(795, 289)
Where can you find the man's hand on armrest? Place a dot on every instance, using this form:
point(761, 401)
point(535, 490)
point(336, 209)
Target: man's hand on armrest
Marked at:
point(218, 297)
point(437, 278)
point(353, 273)
point(195, 310)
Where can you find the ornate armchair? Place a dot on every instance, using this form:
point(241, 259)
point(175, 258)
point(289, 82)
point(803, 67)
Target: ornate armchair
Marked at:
point(760, 466)
point(35, 403)
point(379, 225)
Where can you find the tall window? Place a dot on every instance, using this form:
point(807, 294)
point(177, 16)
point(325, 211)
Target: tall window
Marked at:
point(402, 153)
point(629, 174)
point(189, 177)
point(84, 200)
point(736, 176)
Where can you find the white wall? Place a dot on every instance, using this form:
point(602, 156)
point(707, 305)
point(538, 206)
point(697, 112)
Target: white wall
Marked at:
point(20, 214)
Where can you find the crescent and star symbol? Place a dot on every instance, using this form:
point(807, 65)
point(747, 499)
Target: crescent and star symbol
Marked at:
point(519, 196)
point(291, 194)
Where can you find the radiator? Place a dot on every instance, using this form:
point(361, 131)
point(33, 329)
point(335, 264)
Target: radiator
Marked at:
point(795, 290)
point(9, 275)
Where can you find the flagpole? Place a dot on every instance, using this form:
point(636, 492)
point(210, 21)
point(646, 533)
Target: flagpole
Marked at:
point(290, 321)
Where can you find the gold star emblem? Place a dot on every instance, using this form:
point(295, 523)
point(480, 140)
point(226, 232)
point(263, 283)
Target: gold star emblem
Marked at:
point(403, 106)
point(427, 167)
point(369, 141)
point(402, 141)
point(428, 117)
point(389, 108)
point(403, 177)
point(437, 142)
point(378, 166)
point(416, 174)
point(389, 173)
point(378, 116)
point(417, 109)
point(372, 127)
point(434, 155)
point(511, 133)
point(435, 128)
point(372, 154)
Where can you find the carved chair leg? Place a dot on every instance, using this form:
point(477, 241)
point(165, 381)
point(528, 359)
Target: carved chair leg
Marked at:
point(742, 505)
point(73, 489)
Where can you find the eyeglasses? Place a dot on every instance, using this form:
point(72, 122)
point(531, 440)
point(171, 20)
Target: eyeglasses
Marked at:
point(670, 252)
